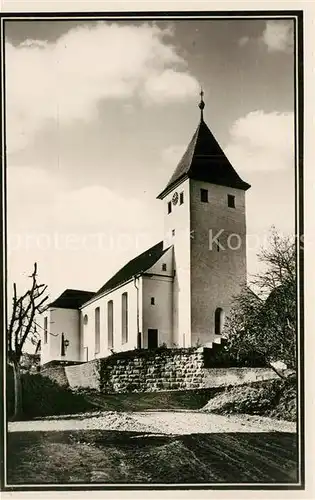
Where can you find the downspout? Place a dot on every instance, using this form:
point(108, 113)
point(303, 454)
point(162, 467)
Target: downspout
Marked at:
point(138, 332)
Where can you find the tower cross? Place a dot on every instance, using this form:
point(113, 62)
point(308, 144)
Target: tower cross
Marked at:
point(201, 105)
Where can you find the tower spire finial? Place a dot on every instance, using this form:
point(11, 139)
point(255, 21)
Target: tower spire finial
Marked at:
point(201, 105)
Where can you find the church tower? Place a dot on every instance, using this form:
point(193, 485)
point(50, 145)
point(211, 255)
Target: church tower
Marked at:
point(204, 213)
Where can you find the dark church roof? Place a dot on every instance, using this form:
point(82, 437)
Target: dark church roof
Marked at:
point(72, 299)
point(138, 265)
point(204, 160)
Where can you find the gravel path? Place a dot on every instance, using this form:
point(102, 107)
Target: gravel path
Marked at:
point(166, 422)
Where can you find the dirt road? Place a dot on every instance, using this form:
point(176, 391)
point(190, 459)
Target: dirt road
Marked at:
point(147, 447)
point(161, 422)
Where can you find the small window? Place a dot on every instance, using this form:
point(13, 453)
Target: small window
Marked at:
point(181, 198)
point(152, 301)
point(204, 195)
point(173, 232)
point(231, 201)
point(169, 207)
point(164, 268)
point(45, 329)
point(85, 319)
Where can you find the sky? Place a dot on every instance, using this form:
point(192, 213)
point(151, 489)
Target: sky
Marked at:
point(99, 113)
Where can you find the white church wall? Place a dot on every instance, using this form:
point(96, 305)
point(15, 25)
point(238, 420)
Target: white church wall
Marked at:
point(65, 321)
point(165, 260)
point(88, 330)
point(158, 315)
point(61, 321)
point(179, 220)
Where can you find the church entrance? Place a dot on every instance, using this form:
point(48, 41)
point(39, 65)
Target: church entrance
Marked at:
point(152, 338)
point(139, 340)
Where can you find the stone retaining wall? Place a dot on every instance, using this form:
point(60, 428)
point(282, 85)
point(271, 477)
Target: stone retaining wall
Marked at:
point(143, 371)
point(85, 376)
point(161, 370)
point(56, 374)
point(218, 377)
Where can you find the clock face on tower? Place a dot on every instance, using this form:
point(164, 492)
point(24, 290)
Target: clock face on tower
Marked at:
point(175, 198)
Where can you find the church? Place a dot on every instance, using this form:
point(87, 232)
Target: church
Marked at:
point(178, 292)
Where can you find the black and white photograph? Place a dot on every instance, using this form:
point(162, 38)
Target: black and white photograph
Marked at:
point(152, 173)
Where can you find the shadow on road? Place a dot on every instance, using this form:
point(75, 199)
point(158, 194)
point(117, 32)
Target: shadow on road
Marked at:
point(107, 457)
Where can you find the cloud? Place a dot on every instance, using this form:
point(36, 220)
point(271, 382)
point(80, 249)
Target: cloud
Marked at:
point(278, 36)
point(40, 199)
point(64, 81)
point(261, 149)
point(262, 141)
point(93, 207)
point(79, 237)
point(243, 41)
point(170, 85)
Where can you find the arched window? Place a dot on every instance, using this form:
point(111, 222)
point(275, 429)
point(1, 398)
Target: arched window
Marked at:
point(124, 317)
point(97, 330)
point(110, 324)
point(218, 321)
point(85, 321)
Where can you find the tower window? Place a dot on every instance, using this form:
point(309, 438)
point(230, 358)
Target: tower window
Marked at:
point(173, 232)
point(181, 198)
point(204, 195)
point(169, 207)
point(231, 200)
point(152, 301)
point(164, 267)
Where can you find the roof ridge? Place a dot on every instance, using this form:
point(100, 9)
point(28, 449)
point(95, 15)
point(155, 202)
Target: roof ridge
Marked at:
point(137, 265)
point(71, 299)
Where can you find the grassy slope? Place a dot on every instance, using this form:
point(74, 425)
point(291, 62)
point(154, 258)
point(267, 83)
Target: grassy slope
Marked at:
point(272, 398)
point(165, 400)
point(124, 457)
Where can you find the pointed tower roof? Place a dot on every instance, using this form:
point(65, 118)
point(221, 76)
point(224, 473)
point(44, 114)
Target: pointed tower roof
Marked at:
point(204, 160)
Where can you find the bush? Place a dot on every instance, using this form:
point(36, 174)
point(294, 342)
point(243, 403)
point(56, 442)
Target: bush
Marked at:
point(272, 398)
point(220, 356)
point(43, 397)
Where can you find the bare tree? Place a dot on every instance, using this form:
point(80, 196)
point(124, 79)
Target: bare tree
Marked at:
point(265, 322)
point(22, 327)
